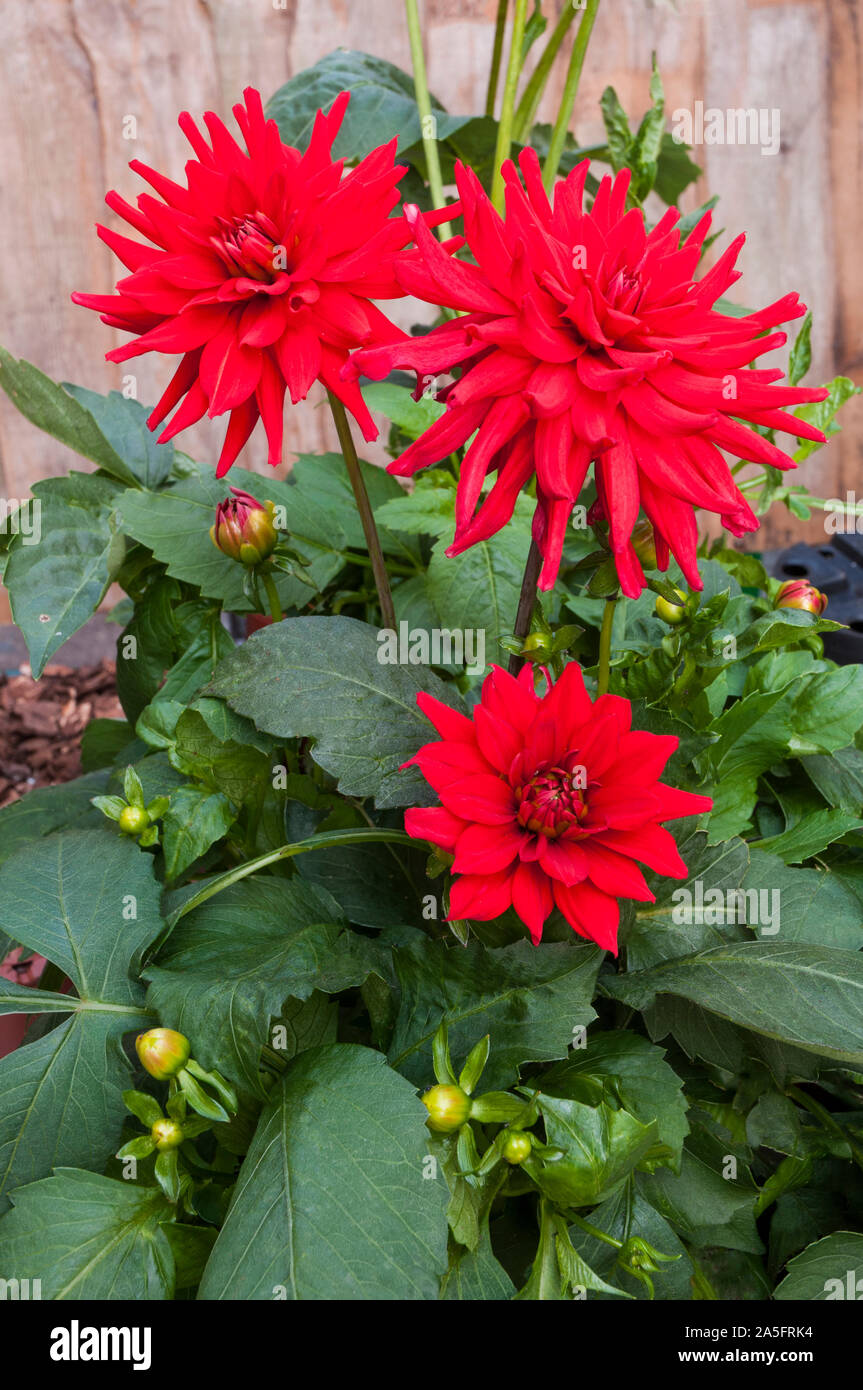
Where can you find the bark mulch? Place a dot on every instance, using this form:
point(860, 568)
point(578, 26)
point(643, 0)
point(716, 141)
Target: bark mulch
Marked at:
point(41, 723)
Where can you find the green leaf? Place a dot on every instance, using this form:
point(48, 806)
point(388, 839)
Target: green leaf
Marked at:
point(57, 584)
point(103, 741)
point(230, 964)
point(175, 525)
point(689, 916)
point(476, 1275)
point(89, 901)
point(812, 833)
point(530, 1001)
point(478, 591)
point(123, 423)
point(809, 996)
point(800, 357)
point(237, 769)
point(811, 905)
point(822, 414)
point(398, 405)
point(375, 885)
point(196, 818)
point(828, 1270)
point(838, 778)
point(646, 1085)
point(706, 1202)
point(622, 1219)
point(599, 1148)
point(331, 686)
point(89, 1237)
point(332, 1201)
point(108, 430)
point(383, 104)
point(50, 808)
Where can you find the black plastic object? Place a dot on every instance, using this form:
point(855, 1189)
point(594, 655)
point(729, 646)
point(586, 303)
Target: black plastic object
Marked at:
point(836, 568)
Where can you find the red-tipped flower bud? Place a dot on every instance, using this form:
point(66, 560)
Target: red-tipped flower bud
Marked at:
point(243, 529)
point(643, 540)
point(162, 1052)
point(166, 1134)
point(799, 593)
point(448, 1108)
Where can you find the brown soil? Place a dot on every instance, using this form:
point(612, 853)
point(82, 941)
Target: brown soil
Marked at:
point(41, 723)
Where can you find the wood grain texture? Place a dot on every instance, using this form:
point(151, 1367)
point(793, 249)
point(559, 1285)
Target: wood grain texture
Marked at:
point(73, 72)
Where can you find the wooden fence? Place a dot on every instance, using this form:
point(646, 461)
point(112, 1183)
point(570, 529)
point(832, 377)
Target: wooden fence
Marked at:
point(74, 71)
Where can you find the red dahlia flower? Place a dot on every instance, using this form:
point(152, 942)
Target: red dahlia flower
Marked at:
point(547, 802)
point(586, 339)
point(261, 272)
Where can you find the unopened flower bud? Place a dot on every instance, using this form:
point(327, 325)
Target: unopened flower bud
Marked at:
point(799, 593)
point(243, 529)
point(448, 1108)
point(166, 1134)
point(133, 819)
point(672, 613)
point(643, 540)
point(517, 1147)
point(162, 1052)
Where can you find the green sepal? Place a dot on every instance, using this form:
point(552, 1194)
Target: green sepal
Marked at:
point(443, 1068)
point(111, 806)
point(217, 1081)
point(168, 1174)
point(475, 1065)
point(141, 1147)
point(497, 1107)
point(132, 789)
point(143, 1107)
point(198, 1098)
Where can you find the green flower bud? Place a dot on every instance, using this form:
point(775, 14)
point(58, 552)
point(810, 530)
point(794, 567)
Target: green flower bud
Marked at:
point(162, 1052)
point(166, 1134)
point(517, 1147)
point(448, 1108)
point(671, 612)
point(132, 820)
point(243, 529)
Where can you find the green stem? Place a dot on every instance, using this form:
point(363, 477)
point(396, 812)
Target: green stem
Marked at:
point(504, 130)
point(594, 1231)
point(364, 507)
point(605, 647)
point(526, 602)
point(428, 123)
point(275, 856)
point(826, 1120)
point(496, 55)
point(525, 112)
point(273, 598)
point(570, 91)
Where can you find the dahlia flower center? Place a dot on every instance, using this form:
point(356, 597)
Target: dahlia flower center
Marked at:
point(251, 246)
point(552, 802)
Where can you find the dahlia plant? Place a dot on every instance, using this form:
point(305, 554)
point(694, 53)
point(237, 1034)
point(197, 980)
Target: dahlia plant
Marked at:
point(487, 923)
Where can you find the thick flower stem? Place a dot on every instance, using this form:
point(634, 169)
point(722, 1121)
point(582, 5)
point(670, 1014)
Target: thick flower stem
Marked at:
point(531, 97)
point(526, 601)
point(504, 129)
point(496, 55)
point(427, 119)
point(570, 91)
point(605, 647)
point(364, 507)
point(273, 598)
